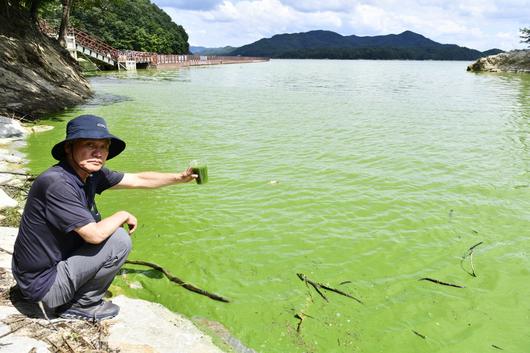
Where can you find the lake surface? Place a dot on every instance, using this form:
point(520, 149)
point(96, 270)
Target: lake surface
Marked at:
point(365, 176)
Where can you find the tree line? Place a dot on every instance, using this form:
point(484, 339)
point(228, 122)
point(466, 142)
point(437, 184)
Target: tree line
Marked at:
point(124, 24)
point(525, 35)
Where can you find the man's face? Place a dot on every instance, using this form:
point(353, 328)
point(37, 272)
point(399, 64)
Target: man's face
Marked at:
point(89, 154)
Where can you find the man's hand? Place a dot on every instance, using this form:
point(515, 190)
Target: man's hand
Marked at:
point(132, 223)
point(187, 176)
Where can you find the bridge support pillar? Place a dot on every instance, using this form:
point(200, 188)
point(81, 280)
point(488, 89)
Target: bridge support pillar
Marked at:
point(129, 65)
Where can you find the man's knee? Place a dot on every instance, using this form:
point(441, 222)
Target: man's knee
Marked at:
point(121, 240)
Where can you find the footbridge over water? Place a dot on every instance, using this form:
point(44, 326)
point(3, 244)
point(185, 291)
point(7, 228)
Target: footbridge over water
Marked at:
point(82, 44)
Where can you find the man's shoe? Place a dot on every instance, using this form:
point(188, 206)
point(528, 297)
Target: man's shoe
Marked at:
point(96, 312)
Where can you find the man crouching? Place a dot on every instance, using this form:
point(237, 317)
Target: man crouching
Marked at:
point(66, 255)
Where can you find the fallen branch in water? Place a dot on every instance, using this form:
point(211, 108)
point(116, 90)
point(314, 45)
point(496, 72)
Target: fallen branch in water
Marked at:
point(300, 316)
point(419, 334)
point(469, 253)
point(440, 282)
point(177, 280)
point(317, 287)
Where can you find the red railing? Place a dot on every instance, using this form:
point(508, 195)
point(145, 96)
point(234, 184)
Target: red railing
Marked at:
point(93, 43)
point(138, 56)
point(97, 45)
point(197, 59)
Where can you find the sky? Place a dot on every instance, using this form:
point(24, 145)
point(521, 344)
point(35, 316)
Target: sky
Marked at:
point(476, 24)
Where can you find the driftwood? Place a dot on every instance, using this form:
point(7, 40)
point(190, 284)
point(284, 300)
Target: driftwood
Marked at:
point(419, 334)
point(317, 287)
point(177, 280)
point(440, 282)
point(301, 316)
point(469, 253)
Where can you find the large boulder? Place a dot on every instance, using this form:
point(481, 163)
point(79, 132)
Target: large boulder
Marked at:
point(37, 76)
point(513, 61)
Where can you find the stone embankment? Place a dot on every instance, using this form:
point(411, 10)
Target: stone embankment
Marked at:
point(513, 61)
point(14, 179)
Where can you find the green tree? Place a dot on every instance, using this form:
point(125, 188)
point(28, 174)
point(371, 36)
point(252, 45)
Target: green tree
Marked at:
point(525, 35)
point(123, 24)
point(30, 7)
point(131, 24)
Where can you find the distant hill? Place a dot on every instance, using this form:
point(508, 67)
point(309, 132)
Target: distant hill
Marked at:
point(212, 51)
point(330, 45)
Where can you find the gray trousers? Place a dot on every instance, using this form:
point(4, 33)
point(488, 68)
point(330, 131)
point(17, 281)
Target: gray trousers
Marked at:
point(86, 275)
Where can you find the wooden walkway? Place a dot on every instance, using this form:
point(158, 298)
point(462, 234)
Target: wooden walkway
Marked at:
point(80, 43)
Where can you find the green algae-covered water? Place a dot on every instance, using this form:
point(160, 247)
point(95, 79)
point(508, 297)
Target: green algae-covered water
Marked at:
point(365, 176)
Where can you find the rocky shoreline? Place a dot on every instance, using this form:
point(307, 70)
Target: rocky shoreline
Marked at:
point(14, 177)
point(512, 61)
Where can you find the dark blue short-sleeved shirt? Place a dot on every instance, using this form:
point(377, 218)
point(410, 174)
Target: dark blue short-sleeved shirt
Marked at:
point(58, 202)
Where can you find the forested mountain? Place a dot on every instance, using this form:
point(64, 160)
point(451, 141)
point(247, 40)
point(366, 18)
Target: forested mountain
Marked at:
point(212, 51)
point(331, 45)
point(124, 24)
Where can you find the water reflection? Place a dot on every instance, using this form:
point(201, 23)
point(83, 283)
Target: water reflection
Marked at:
point(149, 75)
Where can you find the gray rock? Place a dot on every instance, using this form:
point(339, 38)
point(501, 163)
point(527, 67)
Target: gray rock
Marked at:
point(5, 178)
point(15, 343)
point(141, 325)
point(513, 61)
point(38, 76)
point(6, 201)
point(10, 128)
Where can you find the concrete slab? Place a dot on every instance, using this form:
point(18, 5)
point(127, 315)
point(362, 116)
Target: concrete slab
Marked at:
point(150, 327)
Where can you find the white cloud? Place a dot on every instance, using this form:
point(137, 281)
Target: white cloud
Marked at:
point(478, 24)
point(225, 12)
point(320, 6)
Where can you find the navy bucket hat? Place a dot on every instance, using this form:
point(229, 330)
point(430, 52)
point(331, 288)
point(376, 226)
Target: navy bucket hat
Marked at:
point(88, 127)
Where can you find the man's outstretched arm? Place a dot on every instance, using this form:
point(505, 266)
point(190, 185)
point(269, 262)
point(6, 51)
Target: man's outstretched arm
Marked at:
point(153, 180)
